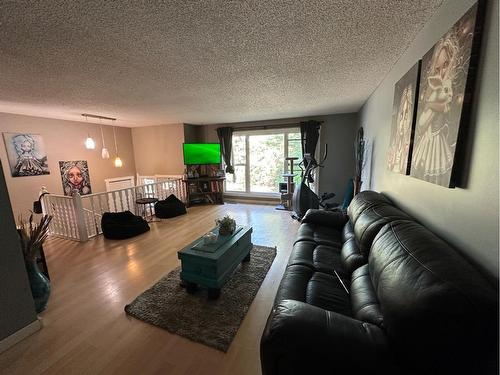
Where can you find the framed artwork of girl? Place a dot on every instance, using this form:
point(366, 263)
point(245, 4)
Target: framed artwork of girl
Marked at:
point(442, 105)
point(403, 119)
point(75, 177)
point(26, 153)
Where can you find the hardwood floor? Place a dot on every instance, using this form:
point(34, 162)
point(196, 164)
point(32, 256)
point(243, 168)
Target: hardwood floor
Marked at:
point(85, 330)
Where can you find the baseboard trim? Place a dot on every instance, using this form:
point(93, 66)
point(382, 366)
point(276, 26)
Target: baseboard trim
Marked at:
point(20, 335)
point(265, 202)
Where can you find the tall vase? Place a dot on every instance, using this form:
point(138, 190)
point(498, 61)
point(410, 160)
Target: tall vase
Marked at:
point(40, 286)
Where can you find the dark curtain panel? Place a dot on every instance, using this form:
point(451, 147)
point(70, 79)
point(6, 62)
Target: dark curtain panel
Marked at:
point(309, 134)
point(226, 143)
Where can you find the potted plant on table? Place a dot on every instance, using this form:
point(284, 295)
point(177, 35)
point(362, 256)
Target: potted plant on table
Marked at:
point(32, 236)
point(227, 225)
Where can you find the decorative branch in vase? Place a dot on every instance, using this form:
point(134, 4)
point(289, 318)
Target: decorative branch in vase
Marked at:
point(32, 237)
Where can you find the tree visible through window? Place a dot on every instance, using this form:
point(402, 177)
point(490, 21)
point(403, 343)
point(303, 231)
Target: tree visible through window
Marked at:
point(259, 159)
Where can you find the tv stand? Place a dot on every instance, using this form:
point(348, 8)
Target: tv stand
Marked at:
point(205, 190)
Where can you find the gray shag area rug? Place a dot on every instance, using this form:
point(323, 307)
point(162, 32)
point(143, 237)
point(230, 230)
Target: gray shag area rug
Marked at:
point(211, 322)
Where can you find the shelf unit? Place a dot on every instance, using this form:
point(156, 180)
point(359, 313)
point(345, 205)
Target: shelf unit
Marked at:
point(205, 190)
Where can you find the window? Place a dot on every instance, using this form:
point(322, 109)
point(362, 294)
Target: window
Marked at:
point(259, 160)
point(236, 181)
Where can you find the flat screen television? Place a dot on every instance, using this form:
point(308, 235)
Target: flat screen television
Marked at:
point(201, 153)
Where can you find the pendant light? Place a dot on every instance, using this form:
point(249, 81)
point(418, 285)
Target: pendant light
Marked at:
point(118, 161)
point(104, 151)
point(89, 142)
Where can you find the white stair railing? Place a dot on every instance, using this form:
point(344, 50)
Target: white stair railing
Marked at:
point(78, 217)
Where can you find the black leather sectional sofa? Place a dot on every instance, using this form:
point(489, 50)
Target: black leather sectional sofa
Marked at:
point(378, 293)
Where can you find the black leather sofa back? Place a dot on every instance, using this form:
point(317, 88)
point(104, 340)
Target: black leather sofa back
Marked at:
point(371, 220)
point(369, 211)
point(438, 311)
point(363, 201)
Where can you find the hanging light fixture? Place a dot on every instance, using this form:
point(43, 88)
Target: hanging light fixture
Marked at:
point(104, 151)
point(89, 142)
point(118, 161)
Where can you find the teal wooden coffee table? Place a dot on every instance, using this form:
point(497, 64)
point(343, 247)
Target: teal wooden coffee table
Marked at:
point(212, 265)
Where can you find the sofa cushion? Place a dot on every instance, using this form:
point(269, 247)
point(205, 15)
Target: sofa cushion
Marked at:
point(320, 234)
point(437, 307)
point(347, 231)
point(351, 257)
point(364, 200)
point(302, 283)
point(371, 220)
point(357, 243)
point(364, 301)
point(318, 257)
point(333, 219)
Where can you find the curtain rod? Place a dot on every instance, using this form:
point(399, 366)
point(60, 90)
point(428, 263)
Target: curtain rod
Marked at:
point(266, 127)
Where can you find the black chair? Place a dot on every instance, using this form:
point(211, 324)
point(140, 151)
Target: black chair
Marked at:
point(121, 225)
point(170, 207)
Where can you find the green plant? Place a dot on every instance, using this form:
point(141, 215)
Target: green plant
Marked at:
point(33, 235)
point(226, 224)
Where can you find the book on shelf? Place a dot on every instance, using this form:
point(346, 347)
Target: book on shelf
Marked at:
point(216, 187)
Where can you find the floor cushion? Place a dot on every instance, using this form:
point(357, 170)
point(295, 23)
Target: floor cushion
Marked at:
point(170, 207)
point(121, 225)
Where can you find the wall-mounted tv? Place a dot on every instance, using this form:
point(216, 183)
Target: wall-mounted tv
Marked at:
point(201, 153)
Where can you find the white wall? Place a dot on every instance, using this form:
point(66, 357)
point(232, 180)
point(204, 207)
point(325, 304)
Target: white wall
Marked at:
point(158, 149)
point(466, 217)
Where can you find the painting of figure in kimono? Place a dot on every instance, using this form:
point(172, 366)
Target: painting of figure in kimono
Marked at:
point(443, 101)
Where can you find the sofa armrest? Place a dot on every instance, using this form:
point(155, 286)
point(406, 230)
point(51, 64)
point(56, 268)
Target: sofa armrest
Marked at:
point(333, 219)
point(302, 338)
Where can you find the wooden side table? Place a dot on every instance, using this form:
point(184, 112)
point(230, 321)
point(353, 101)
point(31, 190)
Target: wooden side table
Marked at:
point(147, 202)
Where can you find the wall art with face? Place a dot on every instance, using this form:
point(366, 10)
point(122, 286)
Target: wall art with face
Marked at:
point(75, 176)
point(444, 100)
point(26, 154)
point(403, 121)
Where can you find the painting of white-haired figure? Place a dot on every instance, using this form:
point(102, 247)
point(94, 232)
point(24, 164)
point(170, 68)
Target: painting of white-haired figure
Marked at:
point(443, 101)
point(75, 177)
point(26, 154)
point(403, 113)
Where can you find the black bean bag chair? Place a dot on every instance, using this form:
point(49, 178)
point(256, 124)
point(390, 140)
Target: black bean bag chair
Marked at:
point(170, 207)
point(121, 225)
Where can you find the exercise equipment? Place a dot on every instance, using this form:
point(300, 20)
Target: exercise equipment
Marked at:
point(303, 197)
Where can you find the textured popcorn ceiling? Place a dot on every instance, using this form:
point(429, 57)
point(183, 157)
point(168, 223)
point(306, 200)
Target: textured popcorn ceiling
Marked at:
point(213, 61)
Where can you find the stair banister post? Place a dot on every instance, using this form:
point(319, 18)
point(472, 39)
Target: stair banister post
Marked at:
point(43, 191)
point(79, 216)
